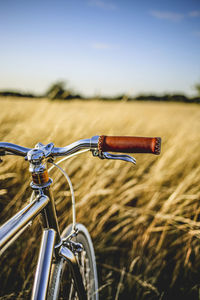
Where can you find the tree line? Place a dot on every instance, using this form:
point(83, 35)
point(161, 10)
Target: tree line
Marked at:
point(59, 91)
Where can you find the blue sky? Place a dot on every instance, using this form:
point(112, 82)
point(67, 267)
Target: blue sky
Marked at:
point(100, 47)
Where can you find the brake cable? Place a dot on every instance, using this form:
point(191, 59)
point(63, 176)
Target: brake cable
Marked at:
point(70, 185)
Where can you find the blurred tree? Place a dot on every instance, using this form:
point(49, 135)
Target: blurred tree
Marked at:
point(56, 90)
point(197, 88)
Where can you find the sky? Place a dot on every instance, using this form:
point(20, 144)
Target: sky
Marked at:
point(100, 47)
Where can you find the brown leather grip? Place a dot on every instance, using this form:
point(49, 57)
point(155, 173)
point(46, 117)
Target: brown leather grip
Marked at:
point(129, 144)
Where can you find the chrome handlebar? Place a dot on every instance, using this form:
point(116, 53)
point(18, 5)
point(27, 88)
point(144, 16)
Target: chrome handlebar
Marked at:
point(91, 144)
point(13, 149)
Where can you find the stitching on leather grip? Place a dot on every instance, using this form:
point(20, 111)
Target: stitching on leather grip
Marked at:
point(158, 146)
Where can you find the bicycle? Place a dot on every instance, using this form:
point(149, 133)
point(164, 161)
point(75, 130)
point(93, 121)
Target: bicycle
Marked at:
point(72, 250)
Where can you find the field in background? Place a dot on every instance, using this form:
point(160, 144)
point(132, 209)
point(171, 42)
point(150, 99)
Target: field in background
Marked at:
point(144, 219)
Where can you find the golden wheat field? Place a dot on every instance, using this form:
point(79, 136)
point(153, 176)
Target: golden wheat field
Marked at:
point(144, 220)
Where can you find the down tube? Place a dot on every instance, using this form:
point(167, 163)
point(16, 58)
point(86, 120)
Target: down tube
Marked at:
point(42, 275)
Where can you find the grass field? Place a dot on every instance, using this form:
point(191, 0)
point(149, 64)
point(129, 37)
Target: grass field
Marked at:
point(144, 219)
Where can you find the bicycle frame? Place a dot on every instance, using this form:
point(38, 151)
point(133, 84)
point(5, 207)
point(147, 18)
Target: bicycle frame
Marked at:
point(51, 244)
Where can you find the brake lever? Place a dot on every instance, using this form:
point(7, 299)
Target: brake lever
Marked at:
point(106, 155)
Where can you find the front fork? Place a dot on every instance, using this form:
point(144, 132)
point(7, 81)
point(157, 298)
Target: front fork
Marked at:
point(69, 256)
point(43, 270)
